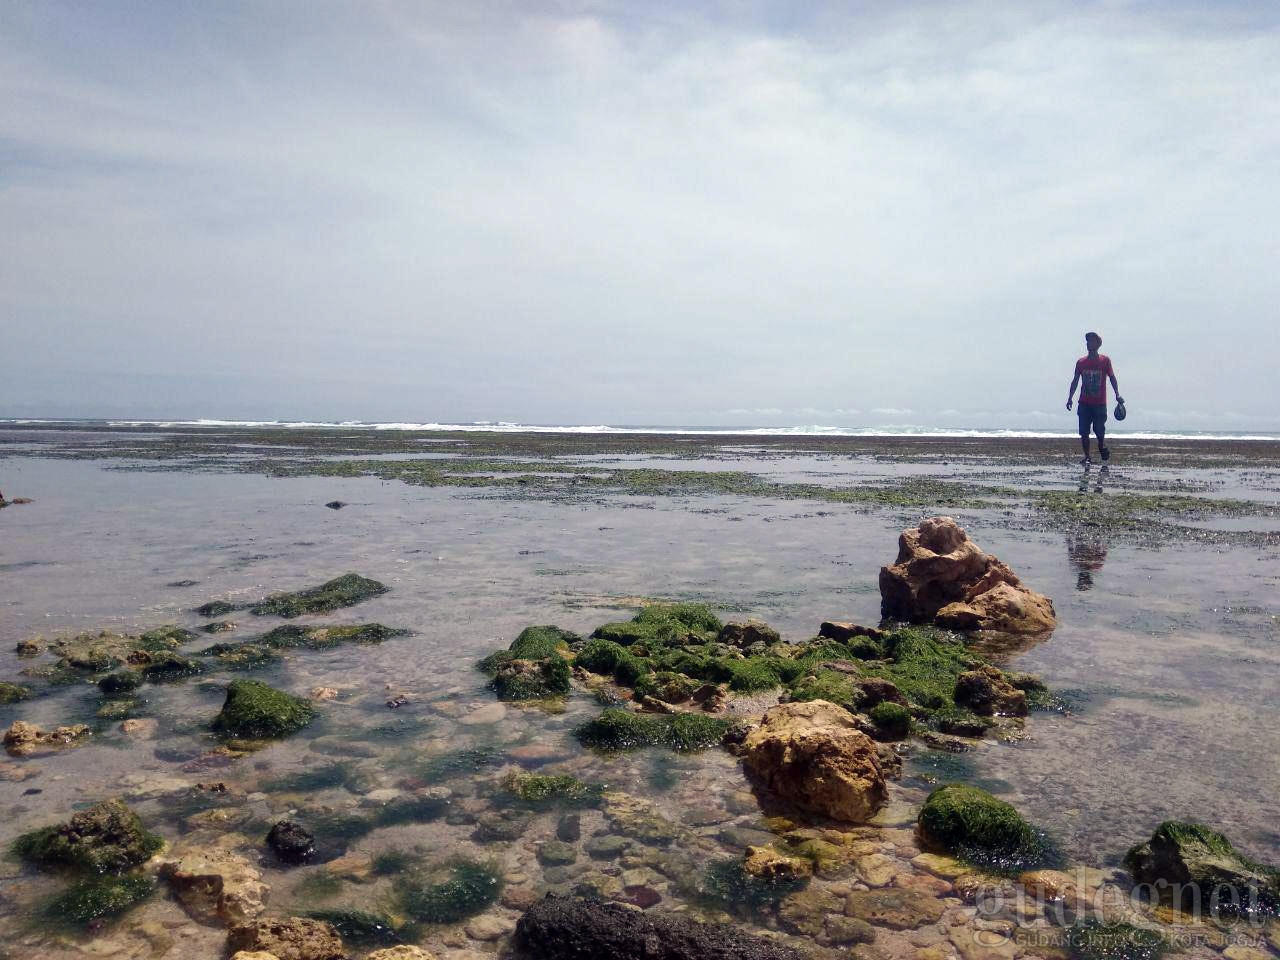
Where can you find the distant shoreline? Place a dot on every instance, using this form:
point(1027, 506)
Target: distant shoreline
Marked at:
point(905, 432)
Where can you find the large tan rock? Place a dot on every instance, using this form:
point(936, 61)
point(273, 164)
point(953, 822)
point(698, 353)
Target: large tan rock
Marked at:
point(288, 938)
point(943, 577)
point(814, 755)
point(215, 884)
point(401, 952)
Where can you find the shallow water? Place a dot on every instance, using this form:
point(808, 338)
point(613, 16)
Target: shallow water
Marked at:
point(1170, 655)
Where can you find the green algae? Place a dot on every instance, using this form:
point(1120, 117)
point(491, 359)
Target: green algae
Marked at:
point(324, 777)
point(13, 693)
point(534, 643)
point(892, 720)
point(106, 838)
point(392, 862)
point(1093, 939)
point(120, 684)
point(541, 790)
point(344, 591)
point(168, 666)
point(663, 623)
point(974, 826)
point(216, 608)
point(829, 685)
point(617, 729)
point(462, 762)
point(94, 898)
point(359, 926)
point(254, 710)
point(461, 890)
point(532, 680)
point(727, 884)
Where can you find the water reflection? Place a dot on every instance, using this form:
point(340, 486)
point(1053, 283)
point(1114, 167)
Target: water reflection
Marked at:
point(1087, 550)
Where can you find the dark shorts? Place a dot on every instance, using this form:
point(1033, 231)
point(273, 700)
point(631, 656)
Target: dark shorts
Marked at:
point(1092, 416)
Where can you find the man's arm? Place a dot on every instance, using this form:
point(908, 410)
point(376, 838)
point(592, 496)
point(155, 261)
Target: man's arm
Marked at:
point(1111, 375)
point(1072, 391)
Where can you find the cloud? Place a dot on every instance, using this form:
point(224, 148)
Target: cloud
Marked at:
point(570, 211)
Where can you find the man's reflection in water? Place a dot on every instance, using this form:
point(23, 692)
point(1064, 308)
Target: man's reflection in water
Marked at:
point(1086, 551)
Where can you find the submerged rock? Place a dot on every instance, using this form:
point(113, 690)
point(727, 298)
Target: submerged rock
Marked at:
point(106, 838)
point(23, 739)
point(987, 691)
point(447, 894)
point(943, 577)
point(344, 591)
point(289, 938)
point(1194, 864)
point(93, 898)
point(254, 710)
point(12, 692)
point(214, 883)
point(814, 755)
point(559, 928)
point(291, 842)
point(976, 827)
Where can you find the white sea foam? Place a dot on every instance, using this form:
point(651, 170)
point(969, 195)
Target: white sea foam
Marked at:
point(810, 430)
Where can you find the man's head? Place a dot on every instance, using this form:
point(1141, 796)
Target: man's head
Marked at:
point(1092, 341)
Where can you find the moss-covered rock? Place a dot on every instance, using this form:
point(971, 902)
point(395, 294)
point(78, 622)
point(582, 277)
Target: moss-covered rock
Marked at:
point(974, 826)
point(344, 591)
point(1093, 939)
point(892, 720)
point(545, 789)
point(93, 898)
point(460, 890)
point(534, 643)
point(167, 665)
point(664, 622)
point(254, 710)
point(122, 683)
point(216, 608)
point(1194, 863)
point(532, 679)
point(729, 884)
point(617, 729)
point(12, 692)
point(359, 926)
point(106, 838)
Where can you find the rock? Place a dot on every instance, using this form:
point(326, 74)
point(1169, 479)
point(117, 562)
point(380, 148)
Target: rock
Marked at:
point(559, 928)
point(488, 927)
point(254, 710)
point(335, 504)
point(898, 908)
point(976, 827)
point(638, 818)
point(806, 912)
point(401, 952)
point(324, 693)
point(531, 679)
point(27, 648)
point(13, 693)
point(987, 691)
point(814, 755)
point(876, 869)
point(743, 635)
point(23, 739)
point(291, 842)
point(939, 865)
point(490, 713)
point(556, 853)
point(1197, 861)
point(344, 591)
point(142, 728)
point(289, 938)
point(766, 864)
point(569, 828)
point(106, 838)
point(844, 632)
point(942, 576)
point(215, 884)
point(846, 930)
point(254, 955)
point(218, 626)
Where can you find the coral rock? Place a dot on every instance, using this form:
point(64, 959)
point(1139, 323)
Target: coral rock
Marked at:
point(814, 755)
point(943, 577)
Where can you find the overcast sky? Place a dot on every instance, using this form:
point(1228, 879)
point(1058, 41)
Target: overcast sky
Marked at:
point(645, 212)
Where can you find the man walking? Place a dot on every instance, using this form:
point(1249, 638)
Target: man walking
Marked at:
point(1094, 370)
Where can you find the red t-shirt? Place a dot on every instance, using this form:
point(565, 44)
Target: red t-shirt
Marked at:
point(1093, 373)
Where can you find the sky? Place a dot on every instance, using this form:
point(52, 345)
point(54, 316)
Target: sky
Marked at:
point(738, 213)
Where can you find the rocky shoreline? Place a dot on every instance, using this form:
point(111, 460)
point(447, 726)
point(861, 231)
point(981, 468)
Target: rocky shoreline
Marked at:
point(530, 848)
